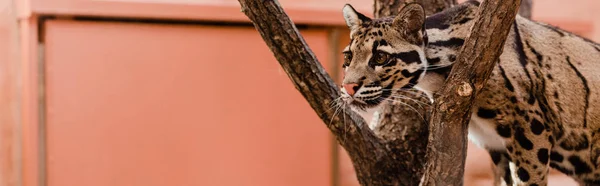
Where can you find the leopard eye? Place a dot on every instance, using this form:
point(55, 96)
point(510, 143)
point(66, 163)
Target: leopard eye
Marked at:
point(347, 58)
point(381, 58)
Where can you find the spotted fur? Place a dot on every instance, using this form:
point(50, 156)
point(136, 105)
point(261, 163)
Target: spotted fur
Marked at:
point(538, 109)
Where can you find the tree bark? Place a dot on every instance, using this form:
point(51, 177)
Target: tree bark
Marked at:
point(446, 151)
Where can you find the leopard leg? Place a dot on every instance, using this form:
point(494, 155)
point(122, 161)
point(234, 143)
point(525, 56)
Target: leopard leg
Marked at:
point(529, 151)
point(502, 175)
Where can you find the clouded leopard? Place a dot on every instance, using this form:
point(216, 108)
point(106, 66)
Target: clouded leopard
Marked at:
point(539, 109)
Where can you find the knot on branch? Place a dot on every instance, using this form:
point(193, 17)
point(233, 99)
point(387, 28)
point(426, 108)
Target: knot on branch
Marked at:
point(465, 89)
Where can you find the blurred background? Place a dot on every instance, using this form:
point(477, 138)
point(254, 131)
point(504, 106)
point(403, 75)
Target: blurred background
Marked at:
point(180, 93)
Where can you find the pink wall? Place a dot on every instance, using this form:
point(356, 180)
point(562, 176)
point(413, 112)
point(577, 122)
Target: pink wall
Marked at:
point(78, 121)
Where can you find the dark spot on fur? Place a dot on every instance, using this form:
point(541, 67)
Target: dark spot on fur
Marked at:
point(522, 140)
point(531, 99)
point(580, 166)
point(504, 131)
point(577, 142)
point(507, 175)
point(486, 113)
point(535, 52)
point(521, 112)
point(555, 156)
point(408, 57)
point(496, 157)
point(561, 169)
point(465, 20)
point(405, 73)
point(513, 99)
point(585, 87)
point(542, 155)
point(523, 174)
point(383, 42)
point(452, 42)
point(433, 60)
point(507, 82)
point(510, 148)
point(537, 127)
point(386, 78)
point(452, 58)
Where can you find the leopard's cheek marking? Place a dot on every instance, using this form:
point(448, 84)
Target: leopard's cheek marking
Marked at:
point(408, 57)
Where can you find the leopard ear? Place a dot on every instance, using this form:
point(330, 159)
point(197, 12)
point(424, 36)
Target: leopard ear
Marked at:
point(411, 18)
point(353, 18)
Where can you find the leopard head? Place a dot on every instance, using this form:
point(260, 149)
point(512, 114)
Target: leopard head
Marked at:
point(384, 55)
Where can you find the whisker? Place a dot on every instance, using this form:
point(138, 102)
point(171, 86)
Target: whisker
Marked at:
point(414, 100)
point(334, 113)
point(415, 93)
point(435, 67)
point(344, 120)
point(412, 108)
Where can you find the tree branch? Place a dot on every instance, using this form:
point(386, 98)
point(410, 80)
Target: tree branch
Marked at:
point(373, 162)
point(447, 147)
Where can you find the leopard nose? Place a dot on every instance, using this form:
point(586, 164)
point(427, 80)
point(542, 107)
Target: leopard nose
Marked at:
point(351, 88)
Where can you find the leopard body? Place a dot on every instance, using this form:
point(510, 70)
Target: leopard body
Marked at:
point(537, 110)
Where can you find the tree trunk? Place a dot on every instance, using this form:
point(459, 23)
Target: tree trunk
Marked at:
point(447, 148)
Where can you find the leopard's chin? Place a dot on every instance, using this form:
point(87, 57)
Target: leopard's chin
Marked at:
point(363, 105)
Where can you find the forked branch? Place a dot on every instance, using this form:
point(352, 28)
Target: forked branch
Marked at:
point(374, 162)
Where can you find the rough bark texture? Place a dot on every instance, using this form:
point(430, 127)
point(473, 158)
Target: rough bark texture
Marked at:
point(447, 146)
